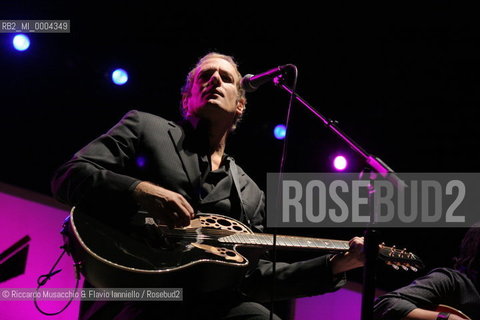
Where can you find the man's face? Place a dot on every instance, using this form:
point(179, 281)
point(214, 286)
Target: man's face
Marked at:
point(214, 94)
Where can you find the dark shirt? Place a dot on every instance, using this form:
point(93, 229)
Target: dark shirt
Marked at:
point(215, 190)
point(213, 179)
point(440, 286)
point(215, 194)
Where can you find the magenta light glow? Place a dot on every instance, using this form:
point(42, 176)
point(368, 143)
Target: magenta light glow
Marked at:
point(344, 304)
point(340, 163)
point(22, 215)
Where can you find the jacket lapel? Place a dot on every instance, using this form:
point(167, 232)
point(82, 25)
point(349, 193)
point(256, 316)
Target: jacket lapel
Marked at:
point(188, 159)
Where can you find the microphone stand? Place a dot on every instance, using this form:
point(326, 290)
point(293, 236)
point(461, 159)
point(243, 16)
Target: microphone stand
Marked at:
point(375, 166)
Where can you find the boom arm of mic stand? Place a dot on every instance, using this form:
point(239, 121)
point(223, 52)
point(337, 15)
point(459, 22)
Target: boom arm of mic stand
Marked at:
point(377, 166)
point(375, 163)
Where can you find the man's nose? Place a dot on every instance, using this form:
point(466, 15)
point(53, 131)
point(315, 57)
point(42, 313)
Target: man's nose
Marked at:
point(215, 79)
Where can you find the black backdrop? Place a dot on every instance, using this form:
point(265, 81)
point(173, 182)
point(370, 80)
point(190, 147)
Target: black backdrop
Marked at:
point(401, 79)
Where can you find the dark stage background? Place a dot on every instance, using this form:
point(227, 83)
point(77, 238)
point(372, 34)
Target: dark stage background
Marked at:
point(401, 79)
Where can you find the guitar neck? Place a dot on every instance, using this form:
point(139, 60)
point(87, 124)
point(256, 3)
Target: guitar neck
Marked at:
point(293, 242)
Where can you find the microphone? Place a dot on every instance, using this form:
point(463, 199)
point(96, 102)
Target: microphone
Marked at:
point(251, 82)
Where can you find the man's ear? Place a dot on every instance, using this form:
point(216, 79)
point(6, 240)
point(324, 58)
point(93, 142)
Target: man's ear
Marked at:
point(240, 106)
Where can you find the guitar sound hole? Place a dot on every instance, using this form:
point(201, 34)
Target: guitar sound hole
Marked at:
point(230, 253)
point(237, 228)
point(224, 222)
point(210, 220)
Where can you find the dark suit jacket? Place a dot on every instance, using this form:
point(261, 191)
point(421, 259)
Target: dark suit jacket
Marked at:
point(101, 177)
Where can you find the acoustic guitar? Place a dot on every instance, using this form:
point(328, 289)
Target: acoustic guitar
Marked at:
point(213, 252)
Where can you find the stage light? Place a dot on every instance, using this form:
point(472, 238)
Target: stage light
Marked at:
point(119, 77)
point(340, 163)
point(280, 131)
point(141, 161)
point(21, 42)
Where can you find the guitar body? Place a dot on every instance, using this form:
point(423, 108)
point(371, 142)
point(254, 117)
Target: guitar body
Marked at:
point(445, 308)
point(143, 257)
point(212, 253)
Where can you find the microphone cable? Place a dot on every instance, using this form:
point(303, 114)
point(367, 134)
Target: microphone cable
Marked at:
point(43, 279)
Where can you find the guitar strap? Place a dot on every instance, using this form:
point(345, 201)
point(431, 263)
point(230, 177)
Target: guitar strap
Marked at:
point(234, 170)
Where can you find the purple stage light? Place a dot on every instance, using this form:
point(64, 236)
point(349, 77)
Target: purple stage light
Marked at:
point(141, 161)
point(340, 163)
point(280, 132)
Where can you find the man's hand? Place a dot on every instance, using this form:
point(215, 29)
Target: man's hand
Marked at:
point(169, 207)
point(353, 258)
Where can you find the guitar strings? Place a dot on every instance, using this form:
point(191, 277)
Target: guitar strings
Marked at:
point(265, 239)
point(216, 234)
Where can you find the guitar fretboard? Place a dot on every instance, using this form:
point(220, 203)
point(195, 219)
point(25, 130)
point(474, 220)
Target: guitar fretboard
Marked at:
point(285, 241)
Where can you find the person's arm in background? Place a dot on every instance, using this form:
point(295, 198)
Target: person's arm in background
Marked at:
point(423, 314)
point(418, 299)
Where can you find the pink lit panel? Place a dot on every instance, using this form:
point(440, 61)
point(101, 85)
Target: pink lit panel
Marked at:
point(24, 213)
point(344, 304)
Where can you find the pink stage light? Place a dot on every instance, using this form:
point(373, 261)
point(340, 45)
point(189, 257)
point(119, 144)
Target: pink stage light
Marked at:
point(340, 163)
